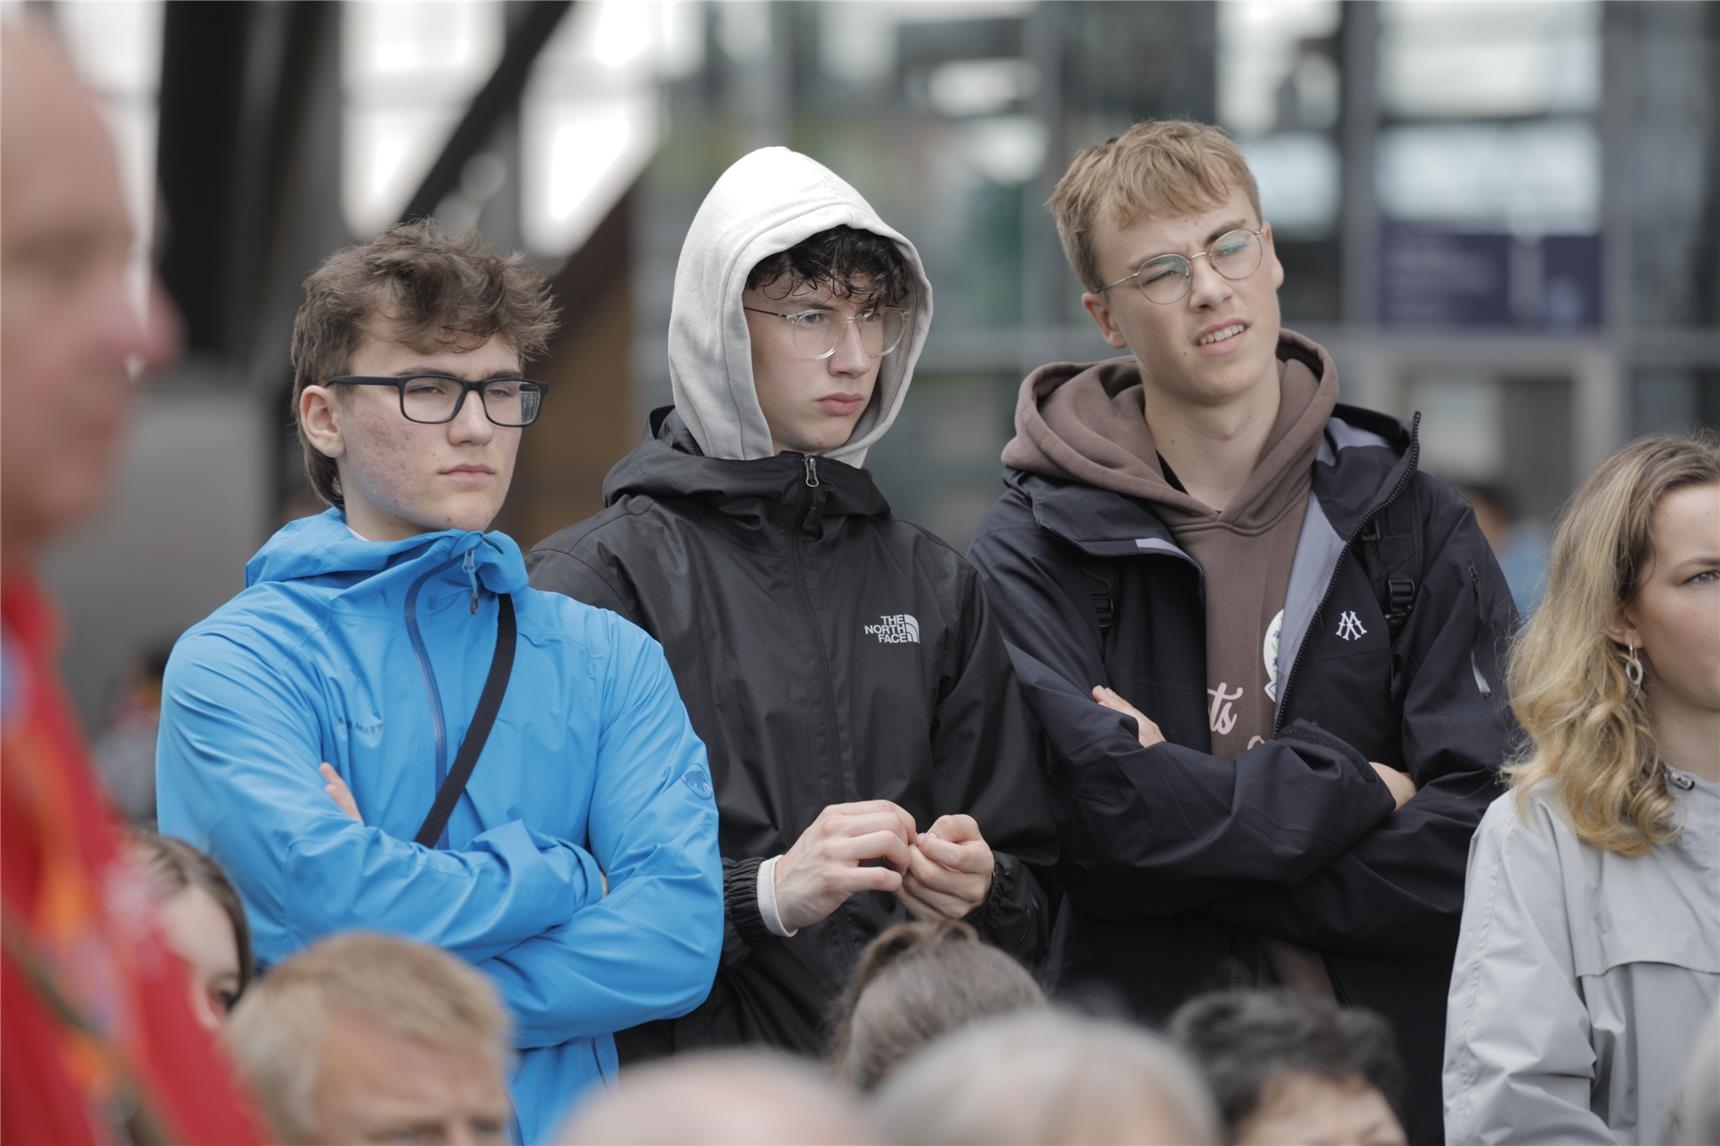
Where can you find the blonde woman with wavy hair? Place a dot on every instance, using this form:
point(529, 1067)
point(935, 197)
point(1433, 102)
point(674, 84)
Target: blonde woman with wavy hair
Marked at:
point(1589, 953)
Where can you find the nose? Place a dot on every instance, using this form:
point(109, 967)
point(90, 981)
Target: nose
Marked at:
point(141, 337)
point(1207, 288)
point(850, 357)
point(471, 425)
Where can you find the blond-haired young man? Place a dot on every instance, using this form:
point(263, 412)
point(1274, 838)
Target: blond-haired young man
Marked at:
point(373, 1038)
point(1264, 647)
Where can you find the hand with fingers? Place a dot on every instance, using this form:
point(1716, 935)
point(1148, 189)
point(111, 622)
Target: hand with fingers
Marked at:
point(827, 864)
point(1144, 728)
point(949, 870)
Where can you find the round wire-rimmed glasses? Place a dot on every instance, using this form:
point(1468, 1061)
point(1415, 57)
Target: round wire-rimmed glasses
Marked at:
point(432, 399)
point(815, 334)
point(1165, 279)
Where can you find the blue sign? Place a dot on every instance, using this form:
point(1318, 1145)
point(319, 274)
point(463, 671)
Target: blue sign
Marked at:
point(1440, 280)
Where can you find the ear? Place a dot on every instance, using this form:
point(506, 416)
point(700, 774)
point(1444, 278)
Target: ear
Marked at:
point(1101, 312)
point(1622, 629)
point(319, 419)
point(1272, 256)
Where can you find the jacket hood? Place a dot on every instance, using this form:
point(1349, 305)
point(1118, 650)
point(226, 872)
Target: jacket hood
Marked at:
point(323, 546)
point(1362, 457)
point(764, 203)
point(670, 465)
point(1087, 423)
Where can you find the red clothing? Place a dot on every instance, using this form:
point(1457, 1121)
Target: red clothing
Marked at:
point(119, 1054)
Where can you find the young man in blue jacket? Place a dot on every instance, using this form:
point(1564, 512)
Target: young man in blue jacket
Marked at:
point(1265, 649)
point(362, 642)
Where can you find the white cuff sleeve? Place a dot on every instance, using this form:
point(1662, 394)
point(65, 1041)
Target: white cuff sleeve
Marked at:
point(767, 899)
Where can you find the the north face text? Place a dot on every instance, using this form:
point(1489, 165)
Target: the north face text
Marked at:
point(895, 629)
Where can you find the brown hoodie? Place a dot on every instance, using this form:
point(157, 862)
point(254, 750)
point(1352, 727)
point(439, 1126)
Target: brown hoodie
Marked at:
point(1088, 424)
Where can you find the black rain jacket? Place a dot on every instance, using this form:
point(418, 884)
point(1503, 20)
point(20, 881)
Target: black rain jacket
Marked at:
point(1175, 861)
point(827, 653)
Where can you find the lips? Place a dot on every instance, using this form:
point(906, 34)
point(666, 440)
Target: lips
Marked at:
point(469, 473)
point(841, 405)
point(1221, 333)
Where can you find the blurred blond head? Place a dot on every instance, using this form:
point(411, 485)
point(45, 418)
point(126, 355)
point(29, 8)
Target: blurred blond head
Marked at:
point(720, 1098)
point(361, 1035)
point(1046, 1078)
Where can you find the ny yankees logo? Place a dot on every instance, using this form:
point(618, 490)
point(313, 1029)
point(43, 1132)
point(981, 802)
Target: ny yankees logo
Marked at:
point(1220, 717)
point(1350, 628)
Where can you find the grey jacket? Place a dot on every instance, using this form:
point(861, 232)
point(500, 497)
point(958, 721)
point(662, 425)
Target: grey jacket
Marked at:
point(1583, 976)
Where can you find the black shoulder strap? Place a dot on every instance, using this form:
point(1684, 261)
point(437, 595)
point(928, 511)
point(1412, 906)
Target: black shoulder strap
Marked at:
point(1391, 554)
point(1101, 576)
point(489, 703)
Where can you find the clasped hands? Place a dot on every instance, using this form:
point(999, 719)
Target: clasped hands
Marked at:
point(1399, 783)
point(943, 872)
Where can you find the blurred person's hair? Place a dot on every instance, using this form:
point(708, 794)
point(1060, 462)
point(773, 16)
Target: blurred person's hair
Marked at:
point(172, 866)
point(915, 982)
point(1044, 1077)
point(1588, 729)
point(1247, 1041)
point(276, 1034)
point(1157, 169)
point(417, 286)
point(845, 260)
point(717, 1098)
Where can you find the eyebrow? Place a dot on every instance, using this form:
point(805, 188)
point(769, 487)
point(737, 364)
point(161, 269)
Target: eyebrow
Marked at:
point(1222, 229)
point(424, 372)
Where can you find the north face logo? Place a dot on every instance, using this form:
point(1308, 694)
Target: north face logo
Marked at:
point(895, 629)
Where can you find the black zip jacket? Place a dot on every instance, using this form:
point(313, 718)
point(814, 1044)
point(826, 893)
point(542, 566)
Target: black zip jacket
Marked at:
point(1175, 861)
point(827, 653)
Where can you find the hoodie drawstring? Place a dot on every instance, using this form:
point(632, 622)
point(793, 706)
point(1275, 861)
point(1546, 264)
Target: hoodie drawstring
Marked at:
point(470, 565)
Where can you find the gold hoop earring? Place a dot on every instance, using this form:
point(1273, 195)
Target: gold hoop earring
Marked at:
point(1633, 667)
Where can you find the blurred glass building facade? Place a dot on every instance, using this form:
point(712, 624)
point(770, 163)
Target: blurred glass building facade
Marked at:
point(1506, 216)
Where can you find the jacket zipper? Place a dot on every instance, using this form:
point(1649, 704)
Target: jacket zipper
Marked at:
point(832, 792)
point(1332, 585)
point(1474, 648)
point(438, 724)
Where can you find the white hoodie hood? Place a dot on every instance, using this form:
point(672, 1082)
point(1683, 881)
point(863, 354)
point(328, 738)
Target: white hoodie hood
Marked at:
point(764, 203)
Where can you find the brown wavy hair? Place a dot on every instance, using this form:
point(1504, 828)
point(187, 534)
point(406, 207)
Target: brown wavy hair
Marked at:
point(416, 285)
point(1589, 732)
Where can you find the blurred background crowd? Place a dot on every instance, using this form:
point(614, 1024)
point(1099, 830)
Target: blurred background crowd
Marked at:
point(1504, 216)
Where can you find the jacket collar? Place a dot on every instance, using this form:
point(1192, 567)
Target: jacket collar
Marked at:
point(1364, 458)
point(321, 547)
point(668, 465)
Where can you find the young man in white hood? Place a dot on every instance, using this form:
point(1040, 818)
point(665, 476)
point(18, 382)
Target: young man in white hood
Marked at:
point(872, 756)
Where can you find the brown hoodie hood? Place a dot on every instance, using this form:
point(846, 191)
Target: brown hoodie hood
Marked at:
point(1087, 423)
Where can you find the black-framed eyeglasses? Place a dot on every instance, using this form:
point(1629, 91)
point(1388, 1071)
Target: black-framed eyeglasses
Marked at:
point(433, 399)
point(1165, 279)
point(815, 333)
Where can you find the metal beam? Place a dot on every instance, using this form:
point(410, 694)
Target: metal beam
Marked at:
point(499, 97)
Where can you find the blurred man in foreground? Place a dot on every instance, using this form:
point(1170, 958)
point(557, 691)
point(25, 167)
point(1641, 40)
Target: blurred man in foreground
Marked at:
point(372, 1038)
point(98, 1042)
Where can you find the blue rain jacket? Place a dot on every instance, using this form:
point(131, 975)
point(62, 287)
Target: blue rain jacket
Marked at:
point(371, 656)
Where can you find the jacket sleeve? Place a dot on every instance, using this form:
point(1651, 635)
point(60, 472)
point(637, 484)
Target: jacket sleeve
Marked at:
point(1401, 887)
point(237, 776)
point(988, 762)
point(596, 583)
point(1519, 1054)
point(647, 950)
point(1155, 831)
